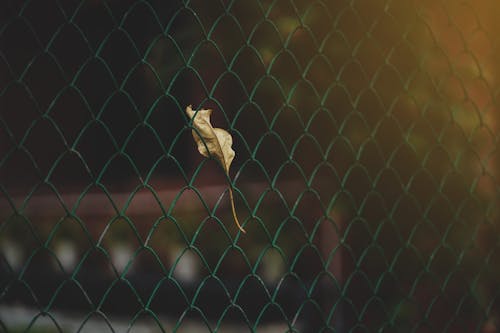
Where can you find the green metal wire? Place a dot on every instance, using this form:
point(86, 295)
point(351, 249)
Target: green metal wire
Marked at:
point(366, 169)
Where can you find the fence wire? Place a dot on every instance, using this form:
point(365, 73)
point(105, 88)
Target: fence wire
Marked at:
point(366, 168)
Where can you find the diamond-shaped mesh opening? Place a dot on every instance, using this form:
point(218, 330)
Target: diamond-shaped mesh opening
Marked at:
point(366, 168)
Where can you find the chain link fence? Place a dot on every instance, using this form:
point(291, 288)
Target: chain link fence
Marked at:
point(366, 168)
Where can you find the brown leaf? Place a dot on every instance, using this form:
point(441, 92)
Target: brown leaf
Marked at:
point(214, 142)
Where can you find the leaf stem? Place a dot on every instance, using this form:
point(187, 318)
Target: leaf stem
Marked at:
point(231, 198)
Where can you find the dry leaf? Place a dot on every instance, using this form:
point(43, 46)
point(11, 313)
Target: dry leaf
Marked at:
point(214, 142)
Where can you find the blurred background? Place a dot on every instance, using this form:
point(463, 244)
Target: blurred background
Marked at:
point(366, 169)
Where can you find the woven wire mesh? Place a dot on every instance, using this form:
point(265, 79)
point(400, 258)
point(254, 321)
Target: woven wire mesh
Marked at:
point(366, 169)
